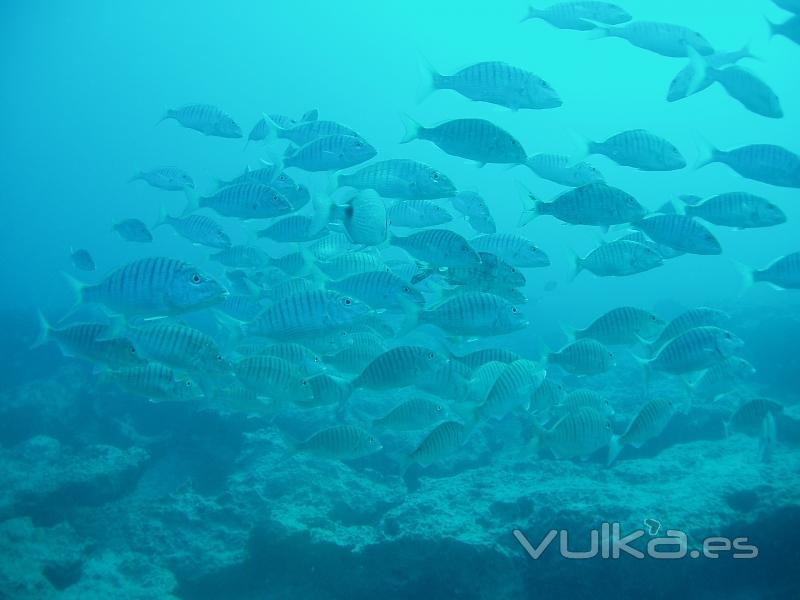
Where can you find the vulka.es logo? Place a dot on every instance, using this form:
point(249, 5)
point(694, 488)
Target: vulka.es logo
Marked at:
point(607, 542)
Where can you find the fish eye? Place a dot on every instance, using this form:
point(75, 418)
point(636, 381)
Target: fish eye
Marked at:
point(435, 176)
point(406, 289)
point(282, 177)
point(438, 408)
point(304, 382)
point(188, 383)
point(728, 335)
point(133, 350)
point(219, 356)
point(347, 302)
point(608, 425)
point(514, 309)
point(431, 355)
point(254, 206)
point(275, 198)
point(371, 440)
point(196, 278)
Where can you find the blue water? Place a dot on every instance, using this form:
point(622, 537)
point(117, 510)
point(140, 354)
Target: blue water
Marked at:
point(110, 495)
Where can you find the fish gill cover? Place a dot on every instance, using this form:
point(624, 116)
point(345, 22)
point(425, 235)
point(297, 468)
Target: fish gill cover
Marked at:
point(402, 300)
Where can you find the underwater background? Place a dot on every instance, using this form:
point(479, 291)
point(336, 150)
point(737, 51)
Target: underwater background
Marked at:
point(111, 491)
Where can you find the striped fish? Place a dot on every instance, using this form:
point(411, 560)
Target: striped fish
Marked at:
point(514, 249)
point(242, 307)
point(171, 179)
point(475, 359)
point(498, 83)
point(665, 39)
point(198, 229)
point(306, 314)
point(88, 340)
point(451, 380)
point(178, 346)
point(547, 395)
point(475, 313)
point(417, 214)
point(620, 258)
point(581, 15)
point(399, 367)
point(258, 132)
point(473, 139)
point(307, 131)
point(640, 149)
point(694, 317)
point(443, 440)
point(327, 389)
point(294, 228)
point(365, 347)
point(245, 201)
point(242, 257)
point(206, 119)
point(679, 232)
point(411, 415)
point(664, 251)
point(579, 398)
point(623, 325)
point(649, 422)
point(583, 357)
point(475, 211)
point(738, 209)
point(749, 417)
point(329, 246)
point(577, 434)
point(783, 273)
point(363, 216)
point(723, 377)
point(513, 388)
point(133, 230)
point(560, 168)
point(274, 377)
point(401, 178)
point(379, 289)
point(694, 350)
point(439, 247)
point(329, 153)
point(592, 204)
point(767, 163)
point(153, 286)
point(340, 442)
point(306, 360)
point(156, 382)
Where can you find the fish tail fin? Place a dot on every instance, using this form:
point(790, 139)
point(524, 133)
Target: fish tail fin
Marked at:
point(768, 437)
point(168, 114)
point(429, 78)
point(668, 208)
point(599, 32)
point(746, 51)
point(530, 206)
point(310, 115)
point(583, 147)
point(42, 332)
point(136, 177)
point(708, 154)
point(771, 26)
point(700, 71)
point(77, 288)
point(274, 130)
point(532, 13)
point(578, 263)
point(647, 371)
point(163, 217)
point(412, 127)
point(192, 201)
point(747, 278)
point(117, 326)
point(614, 448)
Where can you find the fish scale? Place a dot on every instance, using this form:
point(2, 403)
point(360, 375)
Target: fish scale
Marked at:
point(768, 163)
point(305, 314)
point(330, 152)
point(401, 178)
point(514, 387)
point(473, 139)
point(514, 249)
point(247, 200)
point(398, 367)
point(440, 247)
point(294, 228)
point(692, 350)
point(410, 415)
point(308, 131)
point(475, 313)
point(694, 317)
point(444, 439)
point(271, 375)
point(595, 203)
point(619, 258)
point(583, 357)
point(623, 325)
point(737, 209)
point(577, 434)
point(784, 272)
point(341, 442)
point(199, 229)
point(681, 233)
point(176, 345)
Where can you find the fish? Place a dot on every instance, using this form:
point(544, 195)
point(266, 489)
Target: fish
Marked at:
point(327, 389)
point(581, 15)
point(559, 168)
point(90, 341)
point(339, 267)
point(294, 228)
point(398, 367)
point(340, 442)
point(767, 163)
point(577, 434)
point(243, 307)
point(477, 358)
point(680, 232)
point(242, 257)
point(745, 87)
point(175, 345)
point(583, 357)
point(303, 133)
point(689, 80)
point(693, 350)
point(243, 201)
point(273, 377)
point(664, 251)
point(439, 247)
point(133, 230)
point(379, 289)
point(205, 118)
point(363, 215)
point(475, 313)
point(593, 204)
point(512, 389)
point(451, 381)
point(156, 382)
point(305, 359)
point(648, 423)
point(82, 260)
point(619, 258)
point(793, 6)
point(515, 250)
point(329, 153)
point(473, 139)
point(152, 286)
point(665, 39)
point(198, 229)
point(737, 209)
point(363, 349)
point(580, 398)
point(413, 414)
point(400, 178)
point(549, 394)
point(721, 378)
point(756, 418)
point(443, 440)
point(258, 132)
point(783, 273)
point(417, 214)
point(694, 317)
point(171, 179)
point(306, 314)
point(640, 149)
point(497, 83)
point(491, 273)
point(623, 325)
point(475, 211)
point(790, 29)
